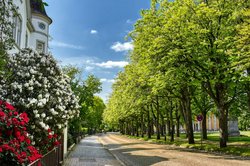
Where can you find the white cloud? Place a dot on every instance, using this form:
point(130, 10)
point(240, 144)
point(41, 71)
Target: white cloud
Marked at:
point(107, 80)
point(119, 47)
point(89, 68)
point(112, 64)
point(93, 31)
point(81, 60)
point(65, 45)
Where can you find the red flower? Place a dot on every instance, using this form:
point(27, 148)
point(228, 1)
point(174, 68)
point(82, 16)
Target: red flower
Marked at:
point(24, 117)
point(6, 147)
point(49, 130)
point(56, 143)
point(31, 148)
point(9, 106)
point(17, 134)
point(13, 134)
point(22, 123)
point(27, 141)
point(2, 114)
point(55, 135)
point(21, 138)
point(15, 121)
point(23, 154)
point(50, 136)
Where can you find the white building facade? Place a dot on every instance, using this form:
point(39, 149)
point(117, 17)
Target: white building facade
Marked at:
point(31, 26)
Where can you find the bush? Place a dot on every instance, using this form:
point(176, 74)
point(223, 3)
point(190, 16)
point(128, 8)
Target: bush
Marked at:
point(15, 143)
point(38, 87)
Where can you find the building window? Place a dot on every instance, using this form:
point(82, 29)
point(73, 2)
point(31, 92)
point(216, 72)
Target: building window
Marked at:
point(17, 30)
point(40, 46)
point(41, 25)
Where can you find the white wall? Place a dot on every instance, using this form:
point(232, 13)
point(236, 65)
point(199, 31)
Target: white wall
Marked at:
point(36, 20)
point(39, 34)
point(21, 4)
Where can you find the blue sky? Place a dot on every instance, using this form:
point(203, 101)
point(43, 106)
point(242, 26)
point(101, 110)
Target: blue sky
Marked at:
point(91, 34)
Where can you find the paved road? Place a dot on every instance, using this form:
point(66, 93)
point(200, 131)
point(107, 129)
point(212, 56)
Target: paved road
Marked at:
point(90, 152)
point(133, 152)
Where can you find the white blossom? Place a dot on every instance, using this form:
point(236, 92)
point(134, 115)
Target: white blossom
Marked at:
point(39, 86)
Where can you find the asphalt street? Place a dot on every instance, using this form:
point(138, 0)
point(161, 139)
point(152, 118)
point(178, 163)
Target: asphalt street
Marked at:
point(114, 149)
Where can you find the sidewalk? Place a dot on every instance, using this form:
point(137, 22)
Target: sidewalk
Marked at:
point(89, 152)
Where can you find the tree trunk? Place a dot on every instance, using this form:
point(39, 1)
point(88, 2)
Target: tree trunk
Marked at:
point(169, 127)
point(149, 124)
point(142, 125)
point(248, 90)
point(223, 113)
point(190, 125)
point(157, 119)
point(177, 123)
point(172, 125)
point(132, 128)
point(172, 133)
point(137, 128)
point(186, 102)
point(162, 126)
point(127, 129)
point(152, 127)
point(204, 125)
point(223, 127)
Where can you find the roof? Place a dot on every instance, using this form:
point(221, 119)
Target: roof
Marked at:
point(37, 7)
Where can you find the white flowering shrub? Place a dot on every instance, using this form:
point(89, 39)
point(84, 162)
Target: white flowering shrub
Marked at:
point(38, 87)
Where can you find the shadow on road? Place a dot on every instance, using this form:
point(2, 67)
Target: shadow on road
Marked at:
point(131, 155)
point(130, 158)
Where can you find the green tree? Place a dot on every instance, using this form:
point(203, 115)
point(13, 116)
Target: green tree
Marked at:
point(85, 90)
point(94, 115)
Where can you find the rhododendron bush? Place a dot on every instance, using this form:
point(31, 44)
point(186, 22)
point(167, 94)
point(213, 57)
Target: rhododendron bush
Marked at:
point(38, 87)
point(15, 142)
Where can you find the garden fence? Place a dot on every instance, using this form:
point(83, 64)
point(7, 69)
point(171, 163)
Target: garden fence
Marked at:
point(52, 158)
